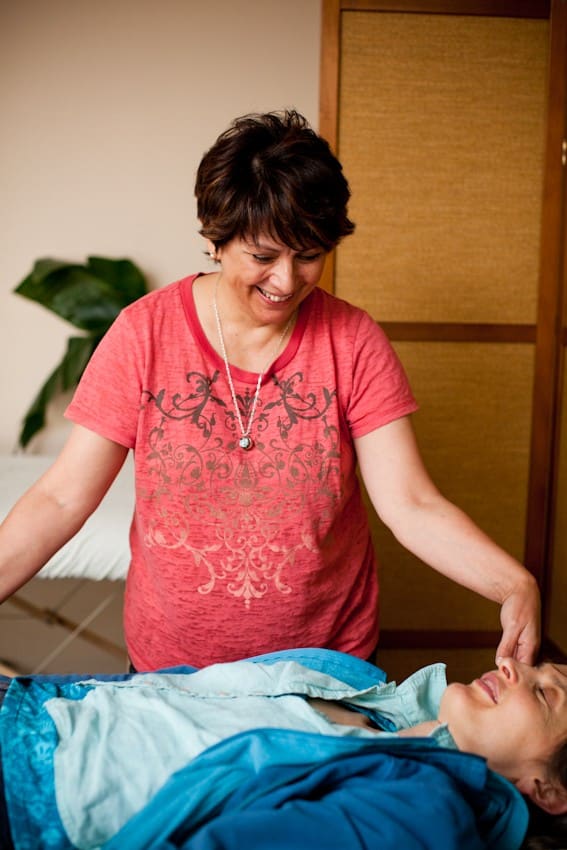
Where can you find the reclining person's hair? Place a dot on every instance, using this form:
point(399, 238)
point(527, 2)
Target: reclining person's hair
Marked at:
point(549, 832)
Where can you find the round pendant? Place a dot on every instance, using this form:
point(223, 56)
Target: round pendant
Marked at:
point(246, 443)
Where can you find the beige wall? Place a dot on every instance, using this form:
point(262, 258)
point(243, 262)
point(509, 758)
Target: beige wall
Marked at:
point(107, 107)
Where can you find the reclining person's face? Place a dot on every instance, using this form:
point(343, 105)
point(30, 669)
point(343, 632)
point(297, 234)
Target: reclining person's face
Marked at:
point(516, 717)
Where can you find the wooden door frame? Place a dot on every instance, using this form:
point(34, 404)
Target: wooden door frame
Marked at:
point(546, 407)
point(548, 331)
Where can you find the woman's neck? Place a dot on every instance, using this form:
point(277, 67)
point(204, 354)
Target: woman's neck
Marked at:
point(249, 346)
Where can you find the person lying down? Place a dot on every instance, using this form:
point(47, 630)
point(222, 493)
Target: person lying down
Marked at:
point(281, 754)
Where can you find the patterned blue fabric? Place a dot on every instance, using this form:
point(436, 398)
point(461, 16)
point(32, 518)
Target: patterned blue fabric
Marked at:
point(27, 760)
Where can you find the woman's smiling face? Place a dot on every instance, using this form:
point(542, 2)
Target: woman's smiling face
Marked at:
point(267, 279)
point(515, 716)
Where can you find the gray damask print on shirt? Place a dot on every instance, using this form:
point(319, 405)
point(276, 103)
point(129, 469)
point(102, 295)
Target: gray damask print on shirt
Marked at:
point(228, 508)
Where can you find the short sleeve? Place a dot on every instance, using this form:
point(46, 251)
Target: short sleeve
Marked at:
point(108, 398)
point(380, 390)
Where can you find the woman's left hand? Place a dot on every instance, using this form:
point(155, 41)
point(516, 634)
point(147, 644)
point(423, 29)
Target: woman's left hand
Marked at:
point(519, 616)
point(443, 536)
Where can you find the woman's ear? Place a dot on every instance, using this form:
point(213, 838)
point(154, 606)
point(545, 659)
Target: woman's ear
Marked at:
point(548, 795)
point(212, 251)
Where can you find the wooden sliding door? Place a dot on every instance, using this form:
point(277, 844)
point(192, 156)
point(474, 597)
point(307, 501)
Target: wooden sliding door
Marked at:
point(439, 114)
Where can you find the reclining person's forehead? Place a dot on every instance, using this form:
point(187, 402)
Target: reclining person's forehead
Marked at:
point(559, 671)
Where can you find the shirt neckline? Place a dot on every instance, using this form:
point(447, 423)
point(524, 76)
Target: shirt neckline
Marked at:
point(243, 375)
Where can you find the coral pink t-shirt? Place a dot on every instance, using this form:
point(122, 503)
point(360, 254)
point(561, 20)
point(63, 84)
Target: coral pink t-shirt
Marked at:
point(237, 553)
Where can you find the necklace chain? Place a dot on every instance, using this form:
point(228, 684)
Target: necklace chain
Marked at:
point(245, 441)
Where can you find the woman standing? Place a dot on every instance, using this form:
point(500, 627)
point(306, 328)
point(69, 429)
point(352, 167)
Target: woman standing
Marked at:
point(249, 395)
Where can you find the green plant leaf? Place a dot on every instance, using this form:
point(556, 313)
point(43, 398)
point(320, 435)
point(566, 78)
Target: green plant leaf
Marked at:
point(123, 275)
point(88, 296)
point(84, 300)
point(64, 377)
point(37, 286)
point(43, 268)
point(75, 295)
point(34, 420)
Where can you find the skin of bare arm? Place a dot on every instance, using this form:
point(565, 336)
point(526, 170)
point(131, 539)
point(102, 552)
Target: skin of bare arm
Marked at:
point(421, 730)
point(56, 506)
point(444, 537)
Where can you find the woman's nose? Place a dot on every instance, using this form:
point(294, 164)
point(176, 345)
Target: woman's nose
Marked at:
point(285, 273)
point(509, 668)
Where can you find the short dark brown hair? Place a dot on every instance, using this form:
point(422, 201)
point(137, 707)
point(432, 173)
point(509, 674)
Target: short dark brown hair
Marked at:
point(271, 173)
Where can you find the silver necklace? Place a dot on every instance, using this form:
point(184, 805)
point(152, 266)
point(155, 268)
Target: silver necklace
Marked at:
point(245, 442)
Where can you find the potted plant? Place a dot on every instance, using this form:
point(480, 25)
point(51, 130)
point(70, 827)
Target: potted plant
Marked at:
point(89, 296)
